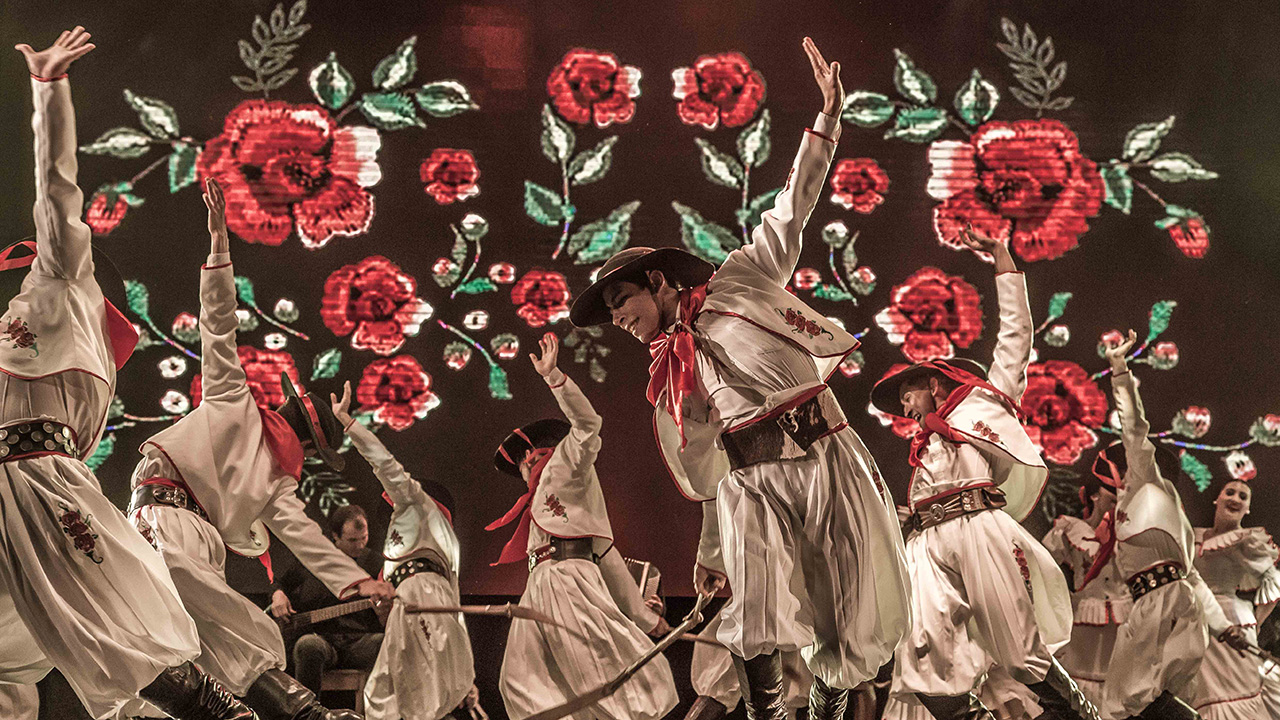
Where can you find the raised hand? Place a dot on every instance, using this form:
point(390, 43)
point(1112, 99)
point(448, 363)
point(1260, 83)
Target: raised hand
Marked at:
point(828, 77)
point(54, 60)
point(978, 242)
point(550, 347)
point(1118, 353)
point(217, 205)
point(342, 408)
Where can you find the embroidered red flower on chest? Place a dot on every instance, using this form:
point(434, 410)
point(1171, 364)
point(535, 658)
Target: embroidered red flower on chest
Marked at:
point(800, 324)
point(556, 507)
point(1021, 558)
point(19, 334)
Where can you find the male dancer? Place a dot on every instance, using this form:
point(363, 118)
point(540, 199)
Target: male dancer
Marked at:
point(984, 589)
point(224, 474)
point(424, 669)
point(79, 588)
point(811, 545)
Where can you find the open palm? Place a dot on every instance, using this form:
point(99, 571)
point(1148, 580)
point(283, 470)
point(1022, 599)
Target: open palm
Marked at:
point(54, 60)
point(828, 78)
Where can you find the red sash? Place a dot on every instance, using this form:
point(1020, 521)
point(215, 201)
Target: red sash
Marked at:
point(1105, 534)
point(517, 547)
point(283, 442)
point(672, 371)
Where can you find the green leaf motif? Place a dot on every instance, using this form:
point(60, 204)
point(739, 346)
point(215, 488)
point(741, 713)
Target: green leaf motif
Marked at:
point(918, 125)
point(750, 215)
point(121, 142)
point(498, 386)
point(1196, 470)
point(558, 138)
point(710, 241)
point(1119, 187)
point(753, 142)
point(720, 168)
point(326, 364)
point(445, 98)
point(1058, 305)
point(849, 259)
point(1161, 313)
point(1143, 141)
point(1261, 433)
point(1177, 167)
point(976, 100)
point(106, 446)
point(475, 286)
point(158, 117)
point(598, 241)
point(1180, 212)
point(596, 371)
point(867, 109)
point(244, 290)
point(834, 293)
point(389, 111)
point(545, 206)
point(591, 165)
point(398, 68)
point(182, 166)
point(913, 83)
point(139, 299)
point(330, 83)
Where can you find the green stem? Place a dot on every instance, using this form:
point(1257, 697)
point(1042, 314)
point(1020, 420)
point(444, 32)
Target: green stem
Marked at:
point(746, 185)
point(564, 235)
point(475, 263)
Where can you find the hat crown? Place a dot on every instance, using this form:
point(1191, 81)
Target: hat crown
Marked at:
point(622, 257)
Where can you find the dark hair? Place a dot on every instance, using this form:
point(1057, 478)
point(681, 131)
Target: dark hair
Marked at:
point(343, 515)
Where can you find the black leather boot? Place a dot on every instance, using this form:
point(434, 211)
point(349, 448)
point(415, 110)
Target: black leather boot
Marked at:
point(706, 708)
point(185, 692)
point(277, 696)
point(760, 679)
point(1061, 697)
point(1169, 707)
point(955, 707)
point(826, 702)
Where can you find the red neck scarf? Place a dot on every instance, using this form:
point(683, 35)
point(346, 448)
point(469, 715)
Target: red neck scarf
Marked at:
point(517, 547)
point(283, 443)
point(935, 422)
point(1105, 533)
point(672, 371)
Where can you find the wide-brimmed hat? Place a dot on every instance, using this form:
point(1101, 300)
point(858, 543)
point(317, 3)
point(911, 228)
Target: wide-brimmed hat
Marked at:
point(1167, 461)
point(884, 394)
point(538, 434)
point(680, 268)
point(15, 263)
point(312, 419)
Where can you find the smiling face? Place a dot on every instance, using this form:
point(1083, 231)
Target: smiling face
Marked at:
point(634, 308)
point(1232, 504)
point(917, 398)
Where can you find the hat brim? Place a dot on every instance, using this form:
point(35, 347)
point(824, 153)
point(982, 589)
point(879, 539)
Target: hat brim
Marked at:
point(544, 433)
point(683, 267)
point(328, 455)
point(884, 395)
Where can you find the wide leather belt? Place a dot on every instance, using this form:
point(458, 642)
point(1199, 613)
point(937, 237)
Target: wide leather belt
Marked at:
point(564, 549)
point(1150, 579)
point(44, 437)
point(950, 507)
point(786, 433)
point(412, 567)
point(169, 495)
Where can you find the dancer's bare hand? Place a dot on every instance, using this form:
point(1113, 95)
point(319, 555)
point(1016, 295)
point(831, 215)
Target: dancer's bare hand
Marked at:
point(661, 629)
point(1116, 355)
point(655, 603)
point(217, 204)
point(54, 60)
point(828, 77)
point(1235, 638)
point(342, 408)
point(281, 608)
point(708, 582)
point(550, 347)
point(978, 242)
point(380, 590)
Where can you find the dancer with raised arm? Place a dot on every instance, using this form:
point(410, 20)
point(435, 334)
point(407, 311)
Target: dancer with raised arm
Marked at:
point(796, 518)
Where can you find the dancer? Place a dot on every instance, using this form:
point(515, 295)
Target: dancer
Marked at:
point(225, 473)
point(79, 588)
point(984, 590)
point(1159, 649)
point(714, 678)
point(811, 546)
point(424, 670)
point(1239, 565)
point(576, 575)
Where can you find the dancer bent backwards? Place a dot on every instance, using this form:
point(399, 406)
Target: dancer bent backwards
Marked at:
point(811, 547)
point(1239, 565)
point(1100, 602)
point(984, 590)
point(224, 474)
point(79, 588)
point(1160, 647)
point(424, 670)
point(576, 575)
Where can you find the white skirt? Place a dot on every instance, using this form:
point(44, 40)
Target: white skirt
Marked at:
point(545, 665)
point(1088, 656)
point(1159, 647)
point(815, 561)
point(81, 590)
point(424, 669)
point(1230, 686)
point(713, 675)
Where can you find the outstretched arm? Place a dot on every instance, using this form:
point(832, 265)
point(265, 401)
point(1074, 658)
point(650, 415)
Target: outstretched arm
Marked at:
point(582, 445)
point(222, 375)
point(1013, 342)
point(399, 486)
point(1139, 451)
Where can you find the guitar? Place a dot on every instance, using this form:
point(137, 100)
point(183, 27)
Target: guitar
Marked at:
point(294, 626)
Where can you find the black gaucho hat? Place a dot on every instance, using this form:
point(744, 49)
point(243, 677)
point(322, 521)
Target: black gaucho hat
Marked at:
point(538, 434)
point(312, 419)
point(680, 268)
point(1167, 461)
point(15, 263)
point(884, 394)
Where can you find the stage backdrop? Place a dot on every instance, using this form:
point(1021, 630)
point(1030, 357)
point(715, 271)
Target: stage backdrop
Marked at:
point(417, 190)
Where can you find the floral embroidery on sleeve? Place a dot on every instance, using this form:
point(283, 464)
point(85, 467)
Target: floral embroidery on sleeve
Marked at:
point(19, 336)
point(80, 530)
point(556, 507)
point(800, 324)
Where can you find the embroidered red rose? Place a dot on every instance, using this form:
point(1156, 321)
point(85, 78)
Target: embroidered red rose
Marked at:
point(375, 299)
point(19, 334)
point(103, 216)
point(450, 175)
point(1062, 404)
point(932, 313)
point(1024, 181)
point(542, 297)
point(84, 543)
point(591, 86)
point(1191, 236)
point(397, 391)
point(284, 166)
point(69, 518)
point(718, 89)
point(858, 183)
point(1164, 355)
point(262, 368)
point(556, 507)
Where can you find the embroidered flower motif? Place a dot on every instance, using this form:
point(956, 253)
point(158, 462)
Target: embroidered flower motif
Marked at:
point(556, 507)
point(103, 219)
point(1063, 405)
point(148, 533)
point(80, 530)
point(858, 184)
point(394, 538)
point(800, 324)
point(1122, 516)
point(20, 335)
point(1023, 568)
point(397, 391)
point(932, 313)
point(985, 431)
point(1191, 236)
point(718, 89)
point(543, 297)
point(262, 369)
point(450, 175)
point(426, 630)
point(378, 301)
point(591, 86)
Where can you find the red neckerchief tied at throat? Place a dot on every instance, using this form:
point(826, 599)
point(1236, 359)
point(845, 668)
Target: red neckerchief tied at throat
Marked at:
point(935, 422)
point(672, 374)
point(518, 546)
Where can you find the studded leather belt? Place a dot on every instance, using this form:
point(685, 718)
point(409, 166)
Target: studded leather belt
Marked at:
point(1152, 578)
point(564, 549)
point(37, 438)
point(165, 493)
point(412, 567)
point(950, 507)
point(787, 432)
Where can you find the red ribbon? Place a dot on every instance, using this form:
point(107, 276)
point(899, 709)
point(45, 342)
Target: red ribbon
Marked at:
point(672, 370)
point(283, 442)
point(517, 547)
point(935, 422)
point(1105, 534)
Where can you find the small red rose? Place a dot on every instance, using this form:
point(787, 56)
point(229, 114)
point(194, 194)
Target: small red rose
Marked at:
point(450, 175)
point(375, 299)
point(262, 369)
point(591, 86)
point(718, 89)
point(542, 296)
point(932, 313)
point(858, 184)
point(1063, 405)
point(397, 391)
point(103, 217)
point(1191, 236)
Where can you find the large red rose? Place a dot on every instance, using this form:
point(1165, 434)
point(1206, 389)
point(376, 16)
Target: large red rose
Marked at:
point(590, 86)
point(283, 166)
point(397, 391)
point(543, 297)
point(718, 89)
point(103, 219)
point(931, 314)
point(1024, 181)
point(262, 368)
point(377, 300)
point(450, 175)
point(1062, 405)
point(858, 183)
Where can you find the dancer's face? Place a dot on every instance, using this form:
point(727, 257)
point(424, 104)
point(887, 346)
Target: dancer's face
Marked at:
point(917, 398)
point(1232, 503)
point(634, 309)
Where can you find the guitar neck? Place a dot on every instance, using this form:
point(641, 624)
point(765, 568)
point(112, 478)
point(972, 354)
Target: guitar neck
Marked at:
point(314, 616)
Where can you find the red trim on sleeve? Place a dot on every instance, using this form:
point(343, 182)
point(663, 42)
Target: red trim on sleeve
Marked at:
point(348, 427)
point(824, 137)
point(215, 267)
point(1115, 375)
point(561, 383)
point(1008, 272)
point(52, 79)
point(343, 595)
